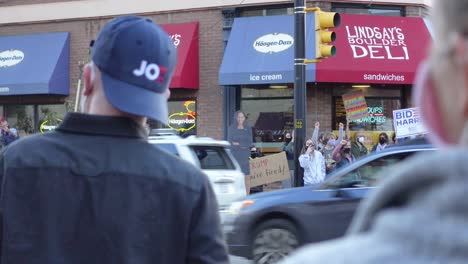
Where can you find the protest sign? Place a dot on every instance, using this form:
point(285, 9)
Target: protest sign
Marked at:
point(407, 122)
point(355, 106)
point(268, 169)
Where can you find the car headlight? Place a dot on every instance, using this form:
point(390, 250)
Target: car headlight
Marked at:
point(236, 207)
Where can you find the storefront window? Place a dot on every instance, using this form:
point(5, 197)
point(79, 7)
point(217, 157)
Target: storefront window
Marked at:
point(376, 10)
point(380, 114)
point(20, 117)
point(270, 112)
point(183, 116)
point(277, 11)
point(50, 117)
point(30, 119)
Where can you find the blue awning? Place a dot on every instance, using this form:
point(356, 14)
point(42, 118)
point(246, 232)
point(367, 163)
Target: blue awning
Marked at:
point(260, 50)
point(35, 64)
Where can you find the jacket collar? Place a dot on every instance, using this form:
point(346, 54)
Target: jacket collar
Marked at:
point(79, 123)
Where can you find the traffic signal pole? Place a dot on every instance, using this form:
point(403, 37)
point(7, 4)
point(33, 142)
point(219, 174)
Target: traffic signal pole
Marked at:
point(324, 21)
point(300, 93)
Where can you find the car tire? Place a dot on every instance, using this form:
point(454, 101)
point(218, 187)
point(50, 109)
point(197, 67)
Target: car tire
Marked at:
point(273, 240)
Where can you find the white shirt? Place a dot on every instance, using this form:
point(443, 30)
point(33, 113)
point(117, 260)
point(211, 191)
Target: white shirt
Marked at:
point(314, 167)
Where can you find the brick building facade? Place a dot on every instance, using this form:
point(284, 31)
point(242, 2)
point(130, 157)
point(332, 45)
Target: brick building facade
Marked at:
point(82, 31)
point(324, 102)
point(215, 103)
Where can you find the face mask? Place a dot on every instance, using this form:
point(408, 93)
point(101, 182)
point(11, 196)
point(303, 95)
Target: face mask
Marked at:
point(425, 98)
point(361, 139)
point(382, 141)
point(331, 142)
point(346, 150)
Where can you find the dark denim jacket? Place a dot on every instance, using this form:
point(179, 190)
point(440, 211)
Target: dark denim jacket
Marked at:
point(95, 192)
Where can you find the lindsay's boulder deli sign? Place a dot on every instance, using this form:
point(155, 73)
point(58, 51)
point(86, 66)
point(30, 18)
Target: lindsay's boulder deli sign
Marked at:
point(268, 169)
point(376, 49)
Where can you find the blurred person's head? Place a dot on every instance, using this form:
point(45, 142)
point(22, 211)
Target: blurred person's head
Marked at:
point(287, 137)
point(3, 122)
point(383, 138)
point(132, 62)
point(360, 136)
point(346, 150)
point(329, 139)
point(321, 137)
point(441, 89)
point(240, 118)
point(308, 144)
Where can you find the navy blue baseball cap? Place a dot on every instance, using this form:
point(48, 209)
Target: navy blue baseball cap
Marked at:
point(136, 58)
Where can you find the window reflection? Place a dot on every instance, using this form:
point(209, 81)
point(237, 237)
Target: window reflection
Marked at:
point(367, 175)
point(20, 117)
point(30, 119)
point(270, 113)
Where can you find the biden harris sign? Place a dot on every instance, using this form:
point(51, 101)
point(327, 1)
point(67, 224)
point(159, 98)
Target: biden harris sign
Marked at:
point(407, 122)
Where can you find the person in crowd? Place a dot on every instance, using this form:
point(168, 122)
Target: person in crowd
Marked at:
point(382, 144)
point(255, 153)
point(358, 149)
point(9, 134)
point(241, 139)
point(311, 160)
point(342, 154)
point(327, 152)
point(394, 139)
point(95, 190)
point(319, 137)
point(329, 143)
point(288, 148)
point(419, 213)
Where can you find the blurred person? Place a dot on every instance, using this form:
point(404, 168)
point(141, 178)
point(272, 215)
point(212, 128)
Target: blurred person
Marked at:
point(9, 134)
point(394, 139)
point(358, 149)
point(241, 139)
point(94, 190)
point(288, 148)
point(319, 138)
point(382, 144)
point(255, 153)
point(330, 142)
point(342, 154)
point(311, 160)
point(419, 213)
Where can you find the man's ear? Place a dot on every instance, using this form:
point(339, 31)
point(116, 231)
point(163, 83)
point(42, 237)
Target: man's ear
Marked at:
point(88, 81)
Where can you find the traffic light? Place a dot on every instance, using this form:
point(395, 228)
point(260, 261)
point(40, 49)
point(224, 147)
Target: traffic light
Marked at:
point(324, 36)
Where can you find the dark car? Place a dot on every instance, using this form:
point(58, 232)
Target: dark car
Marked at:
point(266, 227)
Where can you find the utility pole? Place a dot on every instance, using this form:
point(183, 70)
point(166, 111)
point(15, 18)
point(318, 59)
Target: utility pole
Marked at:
point(300, 95)
point(323, 22)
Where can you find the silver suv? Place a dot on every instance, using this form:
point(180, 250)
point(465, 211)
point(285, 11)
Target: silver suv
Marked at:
point(213, 157)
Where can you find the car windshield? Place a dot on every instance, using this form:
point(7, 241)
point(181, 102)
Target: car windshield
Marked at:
point(366, 175)
point(212, 158)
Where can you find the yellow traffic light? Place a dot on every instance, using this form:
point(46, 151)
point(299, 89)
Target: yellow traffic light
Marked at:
point(324, 21)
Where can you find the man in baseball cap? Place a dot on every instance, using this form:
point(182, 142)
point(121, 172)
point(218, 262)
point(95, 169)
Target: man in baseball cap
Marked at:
point(94, 190)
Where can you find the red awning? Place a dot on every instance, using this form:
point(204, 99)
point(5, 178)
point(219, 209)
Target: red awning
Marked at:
point(376, 49)
point(185, 37)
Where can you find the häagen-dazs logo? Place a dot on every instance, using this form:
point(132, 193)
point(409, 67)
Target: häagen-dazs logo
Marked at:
point(273, 43)
point(10, 58)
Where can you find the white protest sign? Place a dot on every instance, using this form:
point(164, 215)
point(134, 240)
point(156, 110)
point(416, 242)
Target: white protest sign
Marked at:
point(407, 122)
